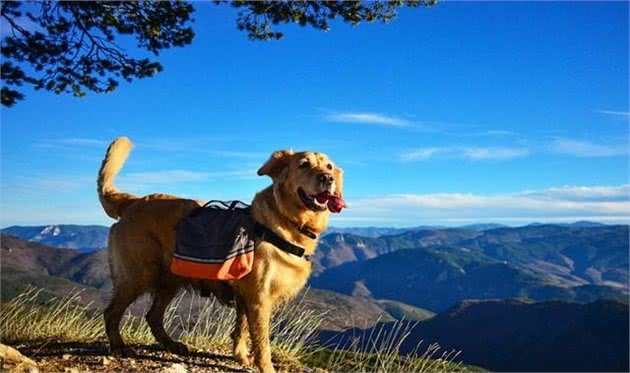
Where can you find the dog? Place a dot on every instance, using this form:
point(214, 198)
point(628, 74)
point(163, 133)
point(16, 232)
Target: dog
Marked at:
point(142, 241)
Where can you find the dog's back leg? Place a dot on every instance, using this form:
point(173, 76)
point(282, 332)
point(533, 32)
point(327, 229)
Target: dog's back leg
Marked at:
point(162, 297)
point(123, 296)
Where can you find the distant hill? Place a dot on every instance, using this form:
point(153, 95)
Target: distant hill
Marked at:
point(81, 237)
point(577, 224)
point(58, 271)
point(339, 248)
point(518, 336)
point(388, 231)
point(482, 227)
point(565, 255)
point(343, 311)
point(436, 269)
point(585, 224)
point(377, 231)
point(91, 237)
point(431, 278)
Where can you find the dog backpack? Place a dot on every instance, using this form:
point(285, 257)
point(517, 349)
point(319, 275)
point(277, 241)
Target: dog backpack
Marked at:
point(215, 242)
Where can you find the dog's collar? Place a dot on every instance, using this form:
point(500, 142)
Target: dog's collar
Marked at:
point(266, 234)
point(305, 231)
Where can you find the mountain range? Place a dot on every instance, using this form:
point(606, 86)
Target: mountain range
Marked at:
point(435, 269)
point(92, 237)
point(81, 237)
point(56, 270)
point(386, 231)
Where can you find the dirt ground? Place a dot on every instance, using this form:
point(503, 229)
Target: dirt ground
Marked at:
point(54, 356)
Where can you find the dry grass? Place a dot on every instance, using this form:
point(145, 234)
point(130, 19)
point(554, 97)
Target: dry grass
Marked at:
point(380, 351)
point(201, 323)
point(204, 324)
point(25, 318)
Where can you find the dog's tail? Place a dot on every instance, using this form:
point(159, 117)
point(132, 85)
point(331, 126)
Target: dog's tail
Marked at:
point(113, 201)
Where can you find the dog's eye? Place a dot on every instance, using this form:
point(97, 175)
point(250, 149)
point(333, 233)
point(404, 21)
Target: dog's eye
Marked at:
point(329, 166)
point(304, 163)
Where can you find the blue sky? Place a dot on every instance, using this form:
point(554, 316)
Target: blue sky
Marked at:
point(462, 113)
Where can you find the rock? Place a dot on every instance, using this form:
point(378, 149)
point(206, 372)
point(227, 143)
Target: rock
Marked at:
point(15, 361)
point(66, 356)
point(107, 360)
point(176, 368)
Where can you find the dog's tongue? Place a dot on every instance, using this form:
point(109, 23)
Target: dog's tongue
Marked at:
point(335, 204)
point(323, 197)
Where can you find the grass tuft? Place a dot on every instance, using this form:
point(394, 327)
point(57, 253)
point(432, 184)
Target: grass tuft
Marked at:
point(380, 351)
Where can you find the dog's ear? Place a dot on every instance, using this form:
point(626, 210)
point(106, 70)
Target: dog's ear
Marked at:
point(278, 161)
point(338, 172)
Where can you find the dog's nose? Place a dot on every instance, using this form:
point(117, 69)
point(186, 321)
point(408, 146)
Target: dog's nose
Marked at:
point(326, 179)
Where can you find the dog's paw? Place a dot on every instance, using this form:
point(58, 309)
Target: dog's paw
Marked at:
point(123, 351)
point(243, 359)
point(177, 348)
point(266, 369)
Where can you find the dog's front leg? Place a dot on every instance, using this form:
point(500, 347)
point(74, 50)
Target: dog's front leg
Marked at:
point(259, 319)
point(241, 334)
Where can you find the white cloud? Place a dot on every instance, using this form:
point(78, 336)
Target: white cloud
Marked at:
point(238, 154)
point(466, 152)
point(423, 153)
point(494, 153)
point(250, 173)
point(195, 145)
point(162, 177)
point(614, 112)
point(72, 143)
point(27, 199)
point(151, 145)
point(370, 219)
point(368, 118)
point(486, 133)
point(80, 141)
point(45, 184)
point(81, 212)
point(583, 193)
point(561, 146)
point(499, 133)
point(141, 182)
point(580, 148)
point(565, 203)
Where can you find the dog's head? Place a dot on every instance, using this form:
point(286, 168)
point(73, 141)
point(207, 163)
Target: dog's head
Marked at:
point(305, 181)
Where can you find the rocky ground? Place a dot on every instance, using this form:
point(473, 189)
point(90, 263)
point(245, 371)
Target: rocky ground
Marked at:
point(55, 356)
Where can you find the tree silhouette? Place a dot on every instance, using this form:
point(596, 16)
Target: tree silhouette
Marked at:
point(73, 46)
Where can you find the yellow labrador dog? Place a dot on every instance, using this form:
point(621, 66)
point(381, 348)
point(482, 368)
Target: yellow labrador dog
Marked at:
point(306, 185)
